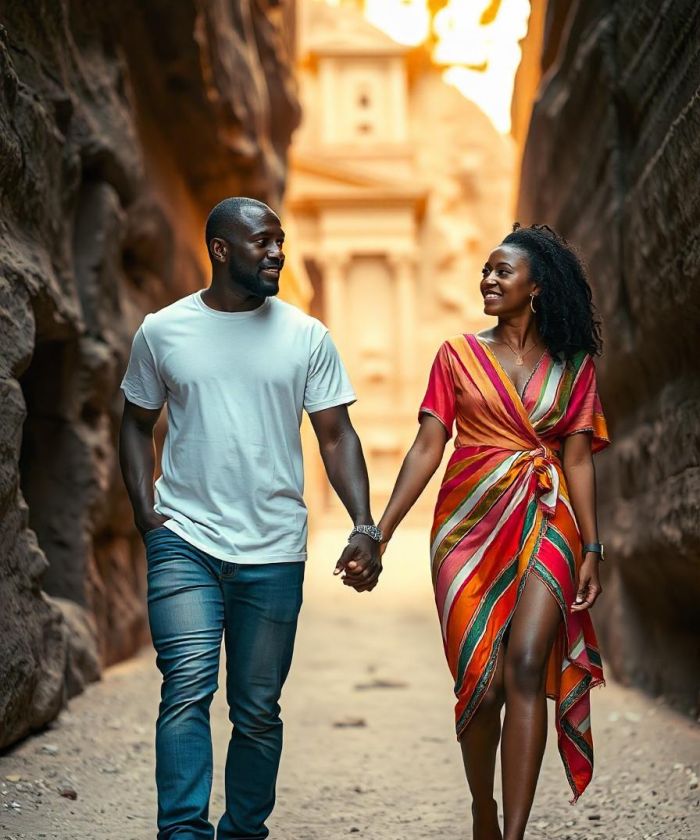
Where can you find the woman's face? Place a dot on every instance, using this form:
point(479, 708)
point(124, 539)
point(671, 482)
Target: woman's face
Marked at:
point(506, 283)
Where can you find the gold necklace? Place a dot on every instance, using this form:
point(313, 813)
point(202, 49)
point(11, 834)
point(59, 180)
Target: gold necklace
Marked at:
point(519, 356)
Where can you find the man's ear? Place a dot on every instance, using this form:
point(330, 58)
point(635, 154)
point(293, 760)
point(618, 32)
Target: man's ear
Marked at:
point(218, 249)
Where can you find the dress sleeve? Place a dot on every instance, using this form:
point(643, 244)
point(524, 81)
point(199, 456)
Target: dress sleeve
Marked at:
point(439, 398)
point(584, 412)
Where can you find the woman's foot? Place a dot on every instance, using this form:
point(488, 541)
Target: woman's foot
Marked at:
point(485, 822)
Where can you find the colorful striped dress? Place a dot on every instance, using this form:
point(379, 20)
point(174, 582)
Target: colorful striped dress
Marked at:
point(503, 511)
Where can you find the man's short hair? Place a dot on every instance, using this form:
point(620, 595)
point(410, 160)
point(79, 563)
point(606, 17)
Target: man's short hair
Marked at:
point(226, 214)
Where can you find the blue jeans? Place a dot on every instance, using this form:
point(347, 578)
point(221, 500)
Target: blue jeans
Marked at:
point(194, 599)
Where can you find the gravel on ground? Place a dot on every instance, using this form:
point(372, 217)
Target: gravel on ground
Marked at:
point(369, 741)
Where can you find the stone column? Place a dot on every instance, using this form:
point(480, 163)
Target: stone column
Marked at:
point(335, 273)
point(406, 289)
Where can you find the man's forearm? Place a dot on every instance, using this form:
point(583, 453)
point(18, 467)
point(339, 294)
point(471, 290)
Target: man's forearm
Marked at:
point(137, 459)
point(347, 472)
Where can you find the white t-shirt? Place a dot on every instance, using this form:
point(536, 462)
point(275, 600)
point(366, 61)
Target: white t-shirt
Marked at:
point(235, 384)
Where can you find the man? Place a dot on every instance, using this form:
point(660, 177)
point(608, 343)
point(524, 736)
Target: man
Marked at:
point(225, 526)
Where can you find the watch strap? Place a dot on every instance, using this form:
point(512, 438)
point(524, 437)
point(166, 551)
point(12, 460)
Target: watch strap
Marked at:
point(371, 531)
point(594, 548)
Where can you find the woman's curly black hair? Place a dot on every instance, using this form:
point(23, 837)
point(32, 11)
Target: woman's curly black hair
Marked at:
point(564, 310)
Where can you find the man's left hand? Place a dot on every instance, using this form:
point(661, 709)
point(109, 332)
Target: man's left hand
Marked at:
point(361, 563)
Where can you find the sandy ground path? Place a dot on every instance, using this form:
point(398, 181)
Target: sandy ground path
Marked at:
point(375, 661)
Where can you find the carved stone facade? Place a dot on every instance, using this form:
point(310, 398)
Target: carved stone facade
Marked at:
point(120, 125)
point(399, 187)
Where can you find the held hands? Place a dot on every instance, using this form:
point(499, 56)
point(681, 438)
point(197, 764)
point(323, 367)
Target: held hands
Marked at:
point(361, 563)
point(589, 587)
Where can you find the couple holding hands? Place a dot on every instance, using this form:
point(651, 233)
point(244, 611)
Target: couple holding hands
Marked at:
point(514, 544)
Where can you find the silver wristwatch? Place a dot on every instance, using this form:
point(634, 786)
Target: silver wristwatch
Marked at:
point(371, 531)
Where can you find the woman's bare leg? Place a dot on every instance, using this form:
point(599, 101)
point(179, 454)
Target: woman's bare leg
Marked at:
point(533, 631)
point(479, 744)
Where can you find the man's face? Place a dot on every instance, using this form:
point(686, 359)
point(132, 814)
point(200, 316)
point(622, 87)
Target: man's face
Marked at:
point(255, 256)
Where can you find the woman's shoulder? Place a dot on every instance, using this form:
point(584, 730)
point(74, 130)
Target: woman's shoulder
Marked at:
point(460, 339)
point(450, 346)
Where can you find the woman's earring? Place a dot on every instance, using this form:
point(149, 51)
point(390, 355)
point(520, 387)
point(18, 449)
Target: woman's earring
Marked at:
point(532, 301)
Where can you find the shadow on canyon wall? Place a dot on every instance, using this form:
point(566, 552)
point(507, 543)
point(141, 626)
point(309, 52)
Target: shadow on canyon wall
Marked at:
point(120, 125)
point(611, 160)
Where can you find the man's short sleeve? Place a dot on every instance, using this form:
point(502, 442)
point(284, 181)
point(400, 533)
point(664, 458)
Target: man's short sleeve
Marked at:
point(142, 383)
point(327, 383)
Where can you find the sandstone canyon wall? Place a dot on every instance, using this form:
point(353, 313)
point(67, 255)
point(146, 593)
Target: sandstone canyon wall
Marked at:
point(121, 123)
point(612, 160)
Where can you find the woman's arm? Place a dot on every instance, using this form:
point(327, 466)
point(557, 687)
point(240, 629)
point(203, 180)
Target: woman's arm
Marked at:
point(419, 465)
point(580, 478)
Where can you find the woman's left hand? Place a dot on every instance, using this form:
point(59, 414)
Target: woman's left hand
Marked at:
point(589, 587)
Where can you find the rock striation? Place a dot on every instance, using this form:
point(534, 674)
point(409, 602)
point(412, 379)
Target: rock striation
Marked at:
point(120, 125)
point(611, 160)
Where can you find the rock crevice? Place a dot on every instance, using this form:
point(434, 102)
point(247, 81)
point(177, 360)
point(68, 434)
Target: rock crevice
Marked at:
point(120, 125)
point(610, 160)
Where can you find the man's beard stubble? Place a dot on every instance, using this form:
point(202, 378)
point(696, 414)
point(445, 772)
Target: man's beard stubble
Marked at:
point(253, 282)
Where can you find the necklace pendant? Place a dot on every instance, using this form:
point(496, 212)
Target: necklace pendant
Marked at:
point(519, 361)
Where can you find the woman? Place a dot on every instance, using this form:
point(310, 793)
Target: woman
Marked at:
point(514, 543)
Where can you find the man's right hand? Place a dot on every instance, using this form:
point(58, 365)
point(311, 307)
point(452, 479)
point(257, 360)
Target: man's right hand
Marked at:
point(137, 458)
point(150, 522)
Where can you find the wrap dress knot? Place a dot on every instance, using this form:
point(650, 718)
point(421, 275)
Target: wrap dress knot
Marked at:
point(545, 476)
point(503, 512)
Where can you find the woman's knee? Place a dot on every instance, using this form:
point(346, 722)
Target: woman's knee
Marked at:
point(525, 669)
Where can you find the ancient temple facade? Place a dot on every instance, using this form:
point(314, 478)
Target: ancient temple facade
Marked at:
point(398, 189)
